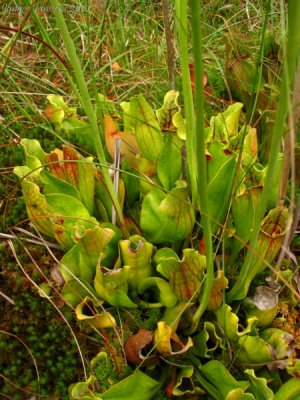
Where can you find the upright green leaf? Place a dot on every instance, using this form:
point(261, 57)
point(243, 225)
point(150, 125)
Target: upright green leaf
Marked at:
point(254, 352)
point(290, 390)
point(217, 374)
point(243, 212)
point(82, 259)
point(258, 386)
point(53, 184)
point(169, 162)
point(270, 239)
point(225, 125)
point(69, 166)
point(136, 257)
point(167, 218)
point(69, 216)
point(34, 154)
point(221, 171)
point(146, 128)
point(136, 386)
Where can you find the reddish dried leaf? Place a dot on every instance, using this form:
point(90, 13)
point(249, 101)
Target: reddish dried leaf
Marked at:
point(135, 345)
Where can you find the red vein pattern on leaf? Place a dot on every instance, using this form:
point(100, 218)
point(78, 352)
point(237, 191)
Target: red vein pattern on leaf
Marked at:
point(64, 169)
point(71, 168)
point(167, 121)
point(185, 280)
point(34, 206)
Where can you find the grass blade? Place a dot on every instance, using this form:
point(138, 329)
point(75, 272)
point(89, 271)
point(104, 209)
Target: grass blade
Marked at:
point(200, 145)
point(87, 105)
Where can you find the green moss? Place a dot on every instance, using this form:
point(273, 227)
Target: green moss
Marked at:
point(48, 339)
point(107, 375)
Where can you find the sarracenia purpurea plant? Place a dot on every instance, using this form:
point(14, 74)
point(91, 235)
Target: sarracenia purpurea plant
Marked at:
point(183, 222)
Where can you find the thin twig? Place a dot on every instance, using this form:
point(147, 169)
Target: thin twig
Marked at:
point(6, 28)
point(7, 298)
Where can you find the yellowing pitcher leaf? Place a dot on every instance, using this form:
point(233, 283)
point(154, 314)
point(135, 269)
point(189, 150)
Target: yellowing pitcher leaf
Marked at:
point(89, 311)
point(167, 343)
point(216, 294)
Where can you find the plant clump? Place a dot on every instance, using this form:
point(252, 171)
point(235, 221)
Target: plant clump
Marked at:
point(157, 261)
